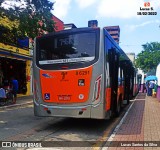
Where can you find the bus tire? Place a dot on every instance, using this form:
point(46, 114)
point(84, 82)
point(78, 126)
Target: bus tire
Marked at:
point(128, 99)
point(118, 109)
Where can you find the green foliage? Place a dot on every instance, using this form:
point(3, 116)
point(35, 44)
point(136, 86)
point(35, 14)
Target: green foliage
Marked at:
point(8, 36)
point(8, 29)
point(36, 12)
point(149, 57)
point(29, 18)
point(1, 1)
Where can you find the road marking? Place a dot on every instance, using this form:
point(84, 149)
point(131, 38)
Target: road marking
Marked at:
point(140, 99)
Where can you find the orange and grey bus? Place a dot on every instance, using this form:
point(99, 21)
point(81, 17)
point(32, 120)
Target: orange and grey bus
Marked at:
point(81, 73)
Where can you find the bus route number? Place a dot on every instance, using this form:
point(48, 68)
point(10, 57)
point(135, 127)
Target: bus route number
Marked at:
point(82, 73)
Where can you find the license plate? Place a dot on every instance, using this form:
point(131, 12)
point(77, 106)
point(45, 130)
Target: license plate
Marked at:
point(64, 97)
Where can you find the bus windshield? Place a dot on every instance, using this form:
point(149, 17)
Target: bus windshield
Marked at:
point(66, 48)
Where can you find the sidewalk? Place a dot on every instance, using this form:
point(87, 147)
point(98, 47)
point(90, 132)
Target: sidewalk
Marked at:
point(21, 100)
point(139, 129)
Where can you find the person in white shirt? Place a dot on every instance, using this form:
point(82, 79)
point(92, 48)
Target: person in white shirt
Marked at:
point(151, 86)
point(2, 93)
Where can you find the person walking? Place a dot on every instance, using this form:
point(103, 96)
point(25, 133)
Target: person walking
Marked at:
point(147, 88)
point(155, 89)
point(151, 86)
point(14, 86)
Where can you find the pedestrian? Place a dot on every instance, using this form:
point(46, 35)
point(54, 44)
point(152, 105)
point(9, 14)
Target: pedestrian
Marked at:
point(155, 89)
point(147, 88)
point(14, 86)
point(144, 90)
point(150, 87)
point(2, 93)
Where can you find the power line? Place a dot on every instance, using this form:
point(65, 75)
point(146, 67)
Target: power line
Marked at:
point(130, 45)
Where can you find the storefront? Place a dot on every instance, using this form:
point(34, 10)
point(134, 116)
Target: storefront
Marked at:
point(16, 62)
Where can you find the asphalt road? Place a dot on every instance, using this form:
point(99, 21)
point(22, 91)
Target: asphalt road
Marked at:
point(20, 124)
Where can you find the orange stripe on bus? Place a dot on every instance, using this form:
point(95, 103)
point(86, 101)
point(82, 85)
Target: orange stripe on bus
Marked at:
point(120, 92)
point(108, 99)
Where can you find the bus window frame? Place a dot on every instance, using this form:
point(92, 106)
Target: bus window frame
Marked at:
point(70, 65)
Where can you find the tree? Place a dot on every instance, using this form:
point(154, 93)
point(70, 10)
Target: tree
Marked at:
point(34, 18)
point(8, 30)
point(1, 1)
point(149, 57)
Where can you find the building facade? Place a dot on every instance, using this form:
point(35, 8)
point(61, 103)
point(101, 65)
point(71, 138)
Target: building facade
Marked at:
point(131, 56)
point(16, 62)
point(114, 31)
point(69, 26)
point(59, 25)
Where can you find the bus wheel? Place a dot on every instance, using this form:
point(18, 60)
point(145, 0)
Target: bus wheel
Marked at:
point(127, 99)
point(118, 109)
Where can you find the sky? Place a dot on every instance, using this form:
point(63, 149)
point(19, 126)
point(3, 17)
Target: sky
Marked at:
point(135, 30)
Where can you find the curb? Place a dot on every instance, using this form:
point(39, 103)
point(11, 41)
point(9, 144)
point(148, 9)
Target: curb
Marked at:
point(15, 105)
point(25, 97)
